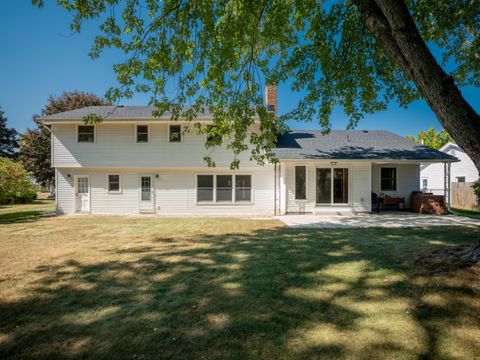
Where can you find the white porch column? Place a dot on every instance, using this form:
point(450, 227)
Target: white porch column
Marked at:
point(283, 188)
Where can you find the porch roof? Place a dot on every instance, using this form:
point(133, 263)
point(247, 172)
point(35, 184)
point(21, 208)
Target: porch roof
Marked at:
point(354, 145)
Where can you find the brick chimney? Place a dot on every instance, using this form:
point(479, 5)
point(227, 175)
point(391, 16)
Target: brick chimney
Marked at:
point(271, 98)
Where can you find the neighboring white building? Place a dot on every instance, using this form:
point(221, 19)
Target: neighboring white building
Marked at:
point(135, 163)
point(432, 176)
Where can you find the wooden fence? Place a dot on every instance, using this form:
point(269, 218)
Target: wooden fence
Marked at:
point(463, 196)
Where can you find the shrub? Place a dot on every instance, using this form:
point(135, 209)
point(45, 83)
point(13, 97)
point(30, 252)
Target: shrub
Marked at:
point(15, 184)
point(476, 189)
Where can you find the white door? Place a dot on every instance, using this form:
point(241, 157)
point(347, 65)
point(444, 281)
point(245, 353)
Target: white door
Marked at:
point(146, 193)
point(82, 196)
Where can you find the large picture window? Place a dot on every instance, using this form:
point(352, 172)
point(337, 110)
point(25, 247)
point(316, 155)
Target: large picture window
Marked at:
point(388, 179)
point(224, 188)
point(300, 182)
point(86, 134)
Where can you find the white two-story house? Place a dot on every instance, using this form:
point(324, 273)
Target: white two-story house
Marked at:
point(133, 163)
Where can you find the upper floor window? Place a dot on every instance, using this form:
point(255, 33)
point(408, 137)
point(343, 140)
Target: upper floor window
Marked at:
point(142, 133)
point(175, 133)
point(86, 134)
point(114, 183)
point(212, 136)
point(388, 180)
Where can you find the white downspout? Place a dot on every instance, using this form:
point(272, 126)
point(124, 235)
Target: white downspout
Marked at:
point(283, 189)
point(449, 189)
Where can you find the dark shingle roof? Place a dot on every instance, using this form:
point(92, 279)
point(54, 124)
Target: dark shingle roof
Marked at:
point(112, 113)
point(353, 144)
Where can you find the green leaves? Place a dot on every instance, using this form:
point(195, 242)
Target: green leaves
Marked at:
point(432, 139)
point(217, 55)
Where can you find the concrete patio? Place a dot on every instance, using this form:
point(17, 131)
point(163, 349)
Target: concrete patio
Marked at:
point(385, 220)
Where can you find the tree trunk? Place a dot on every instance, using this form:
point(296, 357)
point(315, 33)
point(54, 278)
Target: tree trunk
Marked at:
point(393, 26)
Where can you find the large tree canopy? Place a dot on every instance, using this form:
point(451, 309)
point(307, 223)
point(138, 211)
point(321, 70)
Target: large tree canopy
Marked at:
point(358, 54)
point(8, 138)
point(35, 150)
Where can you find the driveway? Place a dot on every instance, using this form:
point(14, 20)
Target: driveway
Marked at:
point(385, 220)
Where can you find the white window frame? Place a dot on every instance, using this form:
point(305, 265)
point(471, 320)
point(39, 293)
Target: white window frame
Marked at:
point(396, 178)
point(94, 134)
point(181, 134)
point(331, 167)
point(229, 203)
point(424, 187)
point(235, 193)
point(136, 133)
point(75, 190)
point(295, 183)
point(119, 191)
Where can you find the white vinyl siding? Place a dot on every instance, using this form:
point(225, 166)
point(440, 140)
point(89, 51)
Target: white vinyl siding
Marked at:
point(408, 180)
point(360, 187)
point(64, 192)
point(175, 192)
point(434, 173)
point(115, 147)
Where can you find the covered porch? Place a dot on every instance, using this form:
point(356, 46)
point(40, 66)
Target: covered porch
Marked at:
point(332, 187)
point(337, 172)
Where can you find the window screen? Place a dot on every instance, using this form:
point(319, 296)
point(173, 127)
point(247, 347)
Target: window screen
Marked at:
point(388, 179)
point(224, 187)
point(243, 188)
point(142, 133)
point(114, 183)
point(86, 134)
point(204, 188)
point(300, 183)
point(175, 133)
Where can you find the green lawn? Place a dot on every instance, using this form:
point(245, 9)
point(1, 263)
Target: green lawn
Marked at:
point(25, 212)
point(468, 213)
point(164, 288)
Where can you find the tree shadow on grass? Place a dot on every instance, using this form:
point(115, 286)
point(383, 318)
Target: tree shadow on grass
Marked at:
point(273, 294)
point(20, 216)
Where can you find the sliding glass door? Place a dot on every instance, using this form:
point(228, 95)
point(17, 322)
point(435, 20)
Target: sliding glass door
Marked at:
point(332, 189)
point(324, 186)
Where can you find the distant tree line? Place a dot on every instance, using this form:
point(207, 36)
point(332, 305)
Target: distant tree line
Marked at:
point(27, 156)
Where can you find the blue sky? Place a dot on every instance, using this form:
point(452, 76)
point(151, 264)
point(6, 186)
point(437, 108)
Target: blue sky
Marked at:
point(40, 56)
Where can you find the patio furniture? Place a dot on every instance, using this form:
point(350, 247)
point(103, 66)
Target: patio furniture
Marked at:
point(397, 202)
point(375, 203)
